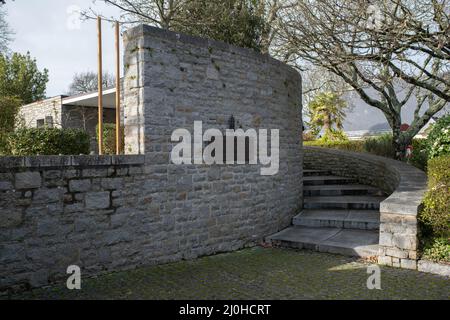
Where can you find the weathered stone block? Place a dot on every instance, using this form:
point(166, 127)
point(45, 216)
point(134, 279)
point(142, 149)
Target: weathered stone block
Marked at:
point(112, 183)
point(10, 218)
point(408, 264)
point(397, 253)
point(97, 200)
point(408, 242)
point(385, 260)
point(83, 185)
point(48, 195)
point(386, 239)
point(28, 180)
point(5, 185)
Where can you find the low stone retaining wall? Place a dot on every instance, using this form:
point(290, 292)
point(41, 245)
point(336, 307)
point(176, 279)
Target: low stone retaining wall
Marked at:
point(398, 213)
point(435, 268)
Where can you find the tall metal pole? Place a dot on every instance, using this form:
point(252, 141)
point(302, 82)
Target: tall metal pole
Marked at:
point(118, 128)
point(100, 88)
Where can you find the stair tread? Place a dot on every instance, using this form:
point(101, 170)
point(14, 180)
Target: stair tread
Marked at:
point(342, 215)
point(340, 187)
point(319, 178)
point(361, 243)
point(344, 199)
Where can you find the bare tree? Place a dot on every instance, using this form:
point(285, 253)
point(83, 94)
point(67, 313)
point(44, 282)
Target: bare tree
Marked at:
point(217, 19)
point(378, 46)
point(88, 81)
point(160, 13)
point(5, 31)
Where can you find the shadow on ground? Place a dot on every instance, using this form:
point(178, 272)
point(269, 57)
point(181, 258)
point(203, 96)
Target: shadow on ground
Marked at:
point(257, 273)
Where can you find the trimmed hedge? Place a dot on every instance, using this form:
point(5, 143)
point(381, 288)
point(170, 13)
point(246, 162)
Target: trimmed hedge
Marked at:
point(47, 141)
point(380, 146)
point(435, 217)
point(348, 145)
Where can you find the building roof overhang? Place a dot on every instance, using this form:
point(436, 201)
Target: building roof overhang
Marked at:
point(91, 99)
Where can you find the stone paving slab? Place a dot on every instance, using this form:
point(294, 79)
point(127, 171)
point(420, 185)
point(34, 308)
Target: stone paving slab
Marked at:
point(360, 243)
point(255, 273)
point(352, 242)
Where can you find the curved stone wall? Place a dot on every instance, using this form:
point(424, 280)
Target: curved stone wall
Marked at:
point(398, 213)
point(111, 213)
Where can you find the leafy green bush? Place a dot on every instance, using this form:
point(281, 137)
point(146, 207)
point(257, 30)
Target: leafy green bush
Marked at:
point(435, 217)
point(437, 250)
point(419, 157)
point(47, 141)
point(348, 145)
point(109, 138)
point(439, 138)
point(436, 213)
point(381, 146)
point(9, 107)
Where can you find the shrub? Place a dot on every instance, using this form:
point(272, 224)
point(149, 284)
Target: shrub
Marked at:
point(9, 107)
point(437, 250)
point(109, 138)
point(419, 157)
point(309, 136)
point(381, 146)
point(435, 217)
point(349, 145)
point(439, 138)
point(48, 141)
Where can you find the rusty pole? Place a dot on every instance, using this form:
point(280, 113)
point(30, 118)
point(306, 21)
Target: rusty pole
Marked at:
point(100, 87)
point(118, 111)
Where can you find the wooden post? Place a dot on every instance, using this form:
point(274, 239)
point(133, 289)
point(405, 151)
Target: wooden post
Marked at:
point(100, 88)
point(118, 128)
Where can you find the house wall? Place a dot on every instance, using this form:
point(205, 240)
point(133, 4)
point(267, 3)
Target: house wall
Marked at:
point(29, 114)
point(119, 212)
point(65, 116)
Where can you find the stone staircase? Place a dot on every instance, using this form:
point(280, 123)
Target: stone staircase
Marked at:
point(339, 216)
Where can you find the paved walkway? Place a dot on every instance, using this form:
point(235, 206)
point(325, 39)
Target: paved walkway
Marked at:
point(256, 274)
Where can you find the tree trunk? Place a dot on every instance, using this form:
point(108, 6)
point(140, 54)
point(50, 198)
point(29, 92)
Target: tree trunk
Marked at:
point(398, 140)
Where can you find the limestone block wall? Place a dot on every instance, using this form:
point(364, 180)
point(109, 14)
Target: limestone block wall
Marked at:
point(398, 213)
point(113, 213)
point(29, 114)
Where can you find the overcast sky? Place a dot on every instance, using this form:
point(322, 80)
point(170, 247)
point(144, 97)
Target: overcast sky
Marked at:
point(53, 34)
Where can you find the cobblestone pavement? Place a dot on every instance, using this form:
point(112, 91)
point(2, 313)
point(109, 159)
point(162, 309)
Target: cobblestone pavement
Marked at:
point(255, 273)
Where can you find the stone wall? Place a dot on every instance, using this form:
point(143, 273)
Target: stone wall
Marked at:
point(113, 213)
point(398, 213)
point(172, 80)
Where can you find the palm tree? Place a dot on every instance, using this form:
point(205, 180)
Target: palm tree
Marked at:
point(327, 111)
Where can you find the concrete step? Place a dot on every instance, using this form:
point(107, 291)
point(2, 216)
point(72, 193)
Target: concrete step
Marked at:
point(326, 180)
point(309, 172)
point(345, 219)
point(360, 243)
point(340, 190)
point(343, 202)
